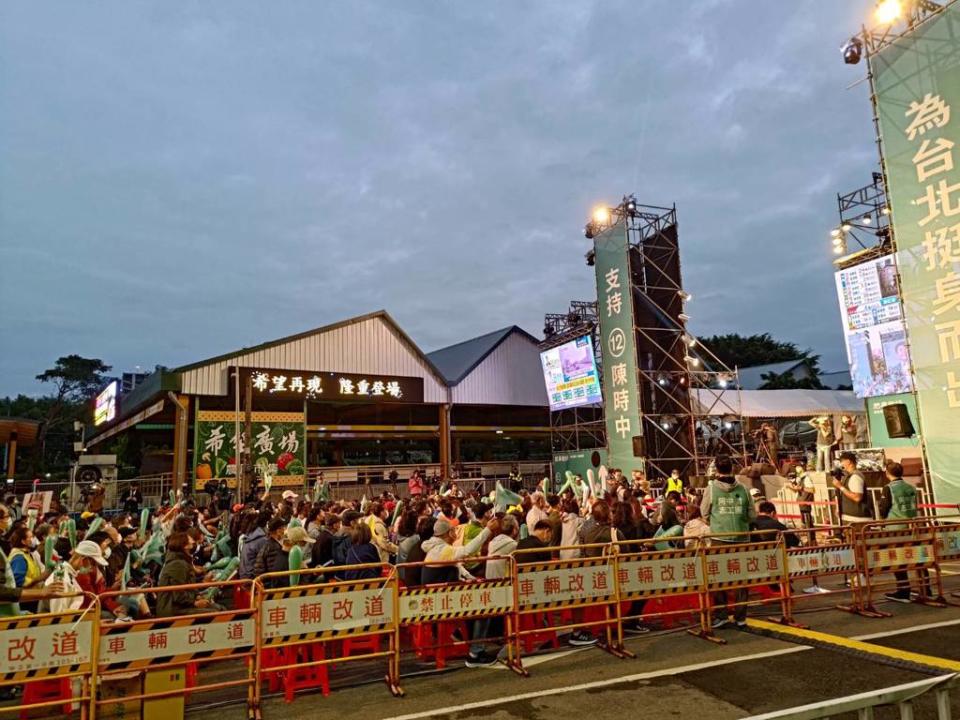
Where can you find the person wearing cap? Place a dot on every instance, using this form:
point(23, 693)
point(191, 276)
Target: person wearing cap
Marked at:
point(178, 570)
point(440, 549)
point(84, 572)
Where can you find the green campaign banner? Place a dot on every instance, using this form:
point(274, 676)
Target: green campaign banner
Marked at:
point(878, 426)
point(618, 346)
point(279, 444)
point(917, 84)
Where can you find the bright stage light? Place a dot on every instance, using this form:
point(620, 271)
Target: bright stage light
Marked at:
point(601, 215)
point(683, 316)
point(845, 227)
point(838, 249)
point(888, 11)
point(685, 296)
point(866, 219)
point(852, 50)
point(835, 232)
point(886, 211)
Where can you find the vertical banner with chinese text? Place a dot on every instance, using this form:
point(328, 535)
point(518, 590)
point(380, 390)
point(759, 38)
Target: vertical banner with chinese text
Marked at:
point(618, 346)
point(917, 83)
point(279, 441)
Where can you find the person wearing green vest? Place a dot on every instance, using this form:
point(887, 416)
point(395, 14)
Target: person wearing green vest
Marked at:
point(728, 508)
point(898, 501)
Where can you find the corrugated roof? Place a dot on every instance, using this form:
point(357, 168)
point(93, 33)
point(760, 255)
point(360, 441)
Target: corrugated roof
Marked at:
point(455, 362)
point(751, 378)
point(317, 331)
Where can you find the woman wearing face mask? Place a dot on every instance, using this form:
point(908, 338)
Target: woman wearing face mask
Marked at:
point(27, 572)
point(178, 570)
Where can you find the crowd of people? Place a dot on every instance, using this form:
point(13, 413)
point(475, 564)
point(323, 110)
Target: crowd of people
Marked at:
point(55, 561)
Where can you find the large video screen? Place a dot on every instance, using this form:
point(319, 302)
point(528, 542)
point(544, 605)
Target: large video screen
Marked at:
point(570, 372)
point(105, 407)
point(873, 328)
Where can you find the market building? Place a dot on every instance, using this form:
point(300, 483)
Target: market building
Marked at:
point(355, 396)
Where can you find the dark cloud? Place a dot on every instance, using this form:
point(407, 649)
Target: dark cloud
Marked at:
point(180, 181)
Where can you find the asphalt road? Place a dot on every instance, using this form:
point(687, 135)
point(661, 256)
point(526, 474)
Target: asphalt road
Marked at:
point(674, 675)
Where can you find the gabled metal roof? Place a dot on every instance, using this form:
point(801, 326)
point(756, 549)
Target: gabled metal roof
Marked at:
point(455, 362)
point(383, 314)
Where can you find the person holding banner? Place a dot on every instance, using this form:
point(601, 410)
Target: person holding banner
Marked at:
point(727, 507)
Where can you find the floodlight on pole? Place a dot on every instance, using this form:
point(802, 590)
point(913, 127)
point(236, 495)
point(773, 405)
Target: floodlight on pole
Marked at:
point(601, 215)
point(888, 11)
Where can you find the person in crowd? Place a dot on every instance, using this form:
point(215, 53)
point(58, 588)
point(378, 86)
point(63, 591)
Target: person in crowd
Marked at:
point(415, 484)
point(178, 570)
point(255, 537)
point(624, 522)
point(132, 499)
point(448, 558)
point(555, 518)
point(321, 554)
point(413, 576)
point(727, 507)
point(802, 485)
point(596, 532)
point(497, 567)
point(851, 489)
point(767, 528)
point(570, 529)
point(695, 529)
point(539, 541)
point(362, 552)
point(377, 521)
point(898, 501)
point(674, 483)
point(482, 512)
point(272, 557)
point(27, 571)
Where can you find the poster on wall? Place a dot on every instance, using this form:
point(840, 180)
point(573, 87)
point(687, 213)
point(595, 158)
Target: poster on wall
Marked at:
point(279, 445)
point(917, 87)
point(570, 374)
point(873, 328)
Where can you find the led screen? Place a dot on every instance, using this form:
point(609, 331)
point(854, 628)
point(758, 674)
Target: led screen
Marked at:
point(105, 409)
point(873, 328)
point(570, 373)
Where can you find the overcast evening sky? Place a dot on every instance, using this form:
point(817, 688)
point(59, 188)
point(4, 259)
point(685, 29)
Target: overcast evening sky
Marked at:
point(179, 180)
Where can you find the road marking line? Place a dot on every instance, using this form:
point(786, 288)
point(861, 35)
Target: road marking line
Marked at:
point(850, 644)
point(453, 709)
point(904, 631)
point(540, 659)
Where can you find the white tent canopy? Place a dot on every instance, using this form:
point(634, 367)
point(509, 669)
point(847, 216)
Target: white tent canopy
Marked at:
point(778, 403)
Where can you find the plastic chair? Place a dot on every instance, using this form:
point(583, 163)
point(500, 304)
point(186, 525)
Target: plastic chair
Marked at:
point(543, 635)
point(303, 678)
point(273, 657)
point(45, 691)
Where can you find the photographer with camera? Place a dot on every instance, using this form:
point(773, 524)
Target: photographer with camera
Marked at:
point(851, 488)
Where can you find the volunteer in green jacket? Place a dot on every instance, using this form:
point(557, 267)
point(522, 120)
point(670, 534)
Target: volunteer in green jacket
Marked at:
point(898, 501)
point(728, 508)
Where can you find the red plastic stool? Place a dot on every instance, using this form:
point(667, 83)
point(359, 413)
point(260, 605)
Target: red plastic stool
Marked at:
point(673, 604)
point(594, 615)
point(543, 635)
point(273, 658)
point(368, 644)
point(447, 645)
point(241, 598)
point(307, 677)
point(45, 691)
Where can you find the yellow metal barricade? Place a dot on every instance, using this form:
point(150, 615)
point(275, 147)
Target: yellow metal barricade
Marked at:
point(46, 647)
point(296, 620)
point(587, 585)
point(886, 547)
point(184, 641)
point(424, 607)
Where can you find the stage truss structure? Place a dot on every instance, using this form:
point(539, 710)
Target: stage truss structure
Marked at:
point(690, 400)
point(578, 428)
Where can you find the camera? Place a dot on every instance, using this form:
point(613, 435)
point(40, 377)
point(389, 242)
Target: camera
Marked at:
point(837, 474)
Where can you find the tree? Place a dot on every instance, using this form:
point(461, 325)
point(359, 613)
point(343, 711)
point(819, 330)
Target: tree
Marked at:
point(787, 381)
point(751, 350)
point(76, 380)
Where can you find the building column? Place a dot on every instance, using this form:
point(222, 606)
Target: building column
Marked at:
point(12, 455)
point(181, 424)
point(445, 440)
